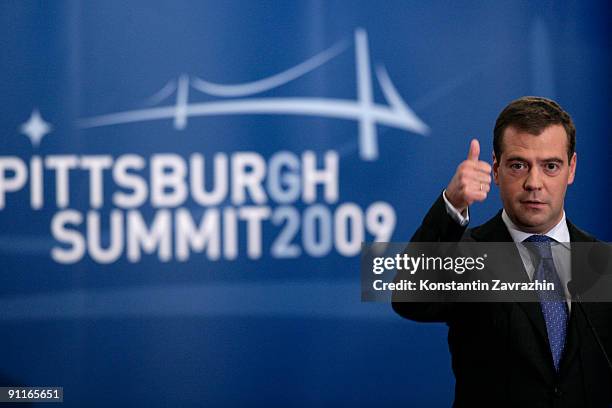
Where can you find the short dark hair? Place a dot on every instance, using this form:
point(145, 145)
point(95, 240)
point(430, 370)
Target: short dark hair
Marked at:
point(533, 114)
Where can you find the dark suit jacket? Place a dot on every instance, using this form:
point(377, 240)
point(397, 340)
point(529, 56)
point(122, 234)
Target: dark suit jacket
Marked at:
point(500, 352)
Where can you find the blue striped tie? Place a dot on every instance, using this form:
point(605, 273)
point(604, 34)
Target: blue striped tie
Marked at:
point(554, 307)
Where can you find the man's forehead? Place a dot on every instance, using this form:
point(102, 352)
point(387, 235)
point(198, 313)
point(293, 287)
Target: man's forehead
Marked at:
point(551, 142)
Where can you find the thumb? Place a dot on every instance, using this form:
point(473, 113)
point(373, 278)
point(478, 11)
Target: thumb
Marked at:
point(474, 150)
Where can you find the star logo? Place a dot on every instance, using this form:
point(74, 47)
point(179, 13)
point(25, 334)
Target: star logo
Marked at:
point(35, 128)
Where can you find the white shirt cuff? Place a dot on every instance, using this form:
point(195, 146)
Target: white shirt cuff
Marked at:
point(455, 214)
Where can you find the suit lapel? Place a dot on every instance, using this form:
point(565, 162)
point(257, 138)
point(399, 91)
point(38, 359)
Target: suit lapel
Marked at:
point(578, 263)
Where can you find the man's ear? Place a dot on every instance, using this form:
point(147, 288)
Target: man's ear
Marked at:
point(572, 169)
point(495, 170)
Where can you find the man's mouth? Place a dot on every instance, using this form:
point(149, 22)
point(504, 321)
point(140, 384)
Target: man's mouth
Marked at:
point(533, 204)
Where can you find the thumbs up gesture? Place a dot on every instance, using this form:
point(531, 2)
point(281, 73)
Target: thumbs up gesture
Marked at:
point(471, 182)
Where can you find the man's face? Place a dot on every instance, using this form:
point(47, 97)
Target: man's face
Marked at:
point(533, 174)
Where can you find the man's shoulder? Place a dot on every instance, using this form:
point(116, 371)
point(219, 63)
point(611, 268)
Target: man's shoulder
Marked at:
point(580, 235)
point(493, 230)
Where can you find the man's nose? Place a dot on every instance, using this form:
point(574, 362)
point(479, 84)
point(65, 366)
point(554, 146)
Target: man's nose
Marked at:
point(534, 179)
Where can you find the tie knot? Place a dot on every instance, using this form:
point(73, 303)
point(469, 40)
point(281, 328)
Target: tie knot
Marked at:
point(540, 244)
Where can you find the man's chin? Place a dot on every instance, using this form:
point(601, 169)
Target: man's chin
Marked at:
point(536, 223)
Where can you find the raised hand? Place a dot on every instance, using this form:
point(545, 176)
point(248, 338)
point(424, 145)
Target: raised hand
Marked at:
point(471, 182)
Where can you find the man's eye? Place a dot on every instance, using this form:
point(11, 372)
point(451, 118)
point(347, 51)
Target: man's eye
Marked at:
point(517, 166)
point(552, 166)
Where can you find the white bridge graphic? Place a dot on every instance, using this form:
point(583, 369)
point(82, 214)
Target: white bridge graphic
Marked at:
point(363, 110)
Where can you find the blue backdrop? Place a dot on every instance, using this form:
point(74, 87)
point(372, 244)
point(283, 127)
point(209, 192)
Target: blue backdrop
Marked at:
point(184, 186)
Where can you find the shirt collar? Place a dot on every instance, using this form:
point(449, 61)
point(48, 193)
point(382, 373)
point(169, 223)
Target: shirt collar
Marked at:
point(559, 232)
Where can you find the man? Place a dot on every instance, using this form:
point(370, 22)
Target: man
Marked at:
point(531, 354)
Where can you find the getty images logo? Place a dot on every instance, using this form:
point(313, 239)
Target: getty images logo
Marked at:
point(364, 110)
